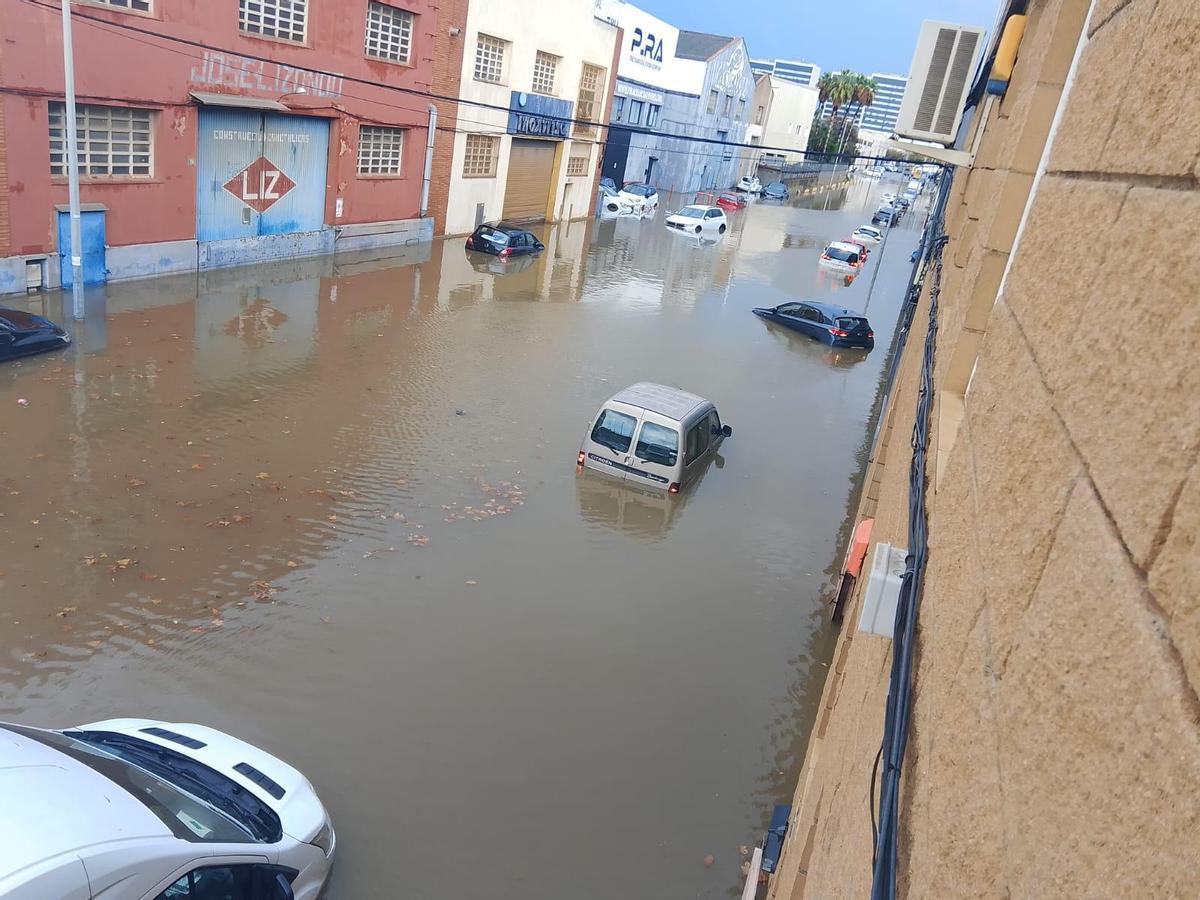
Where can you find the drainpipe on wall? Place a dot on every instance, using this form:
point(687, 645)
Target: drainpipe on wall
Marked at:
point(433, 113)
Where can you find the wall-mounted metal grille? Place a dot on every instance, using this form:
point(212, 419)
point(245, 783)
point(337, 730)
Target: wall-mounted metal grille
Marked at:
point(379, 150)
point(589, 101)
point(114, 141)
point(283, 19)
point(577, 165)
point(389, 32)
point(480, 158)
point(545, 65)
point(489, 58)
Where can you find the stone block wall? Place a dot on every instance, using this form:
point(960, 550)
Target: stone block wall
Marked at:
point(1055, 743)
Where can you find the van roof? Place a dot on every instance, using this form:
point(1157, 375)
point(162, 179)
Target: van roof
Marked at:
point(658, 398)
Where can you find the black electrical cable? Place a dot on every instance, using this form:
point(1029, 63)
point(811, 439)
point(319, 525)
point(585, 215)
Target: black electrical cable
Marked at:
point(898, 709)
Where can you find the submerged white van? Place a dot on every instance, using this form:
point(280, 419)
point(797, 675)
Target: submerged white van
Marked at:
point(653, 436)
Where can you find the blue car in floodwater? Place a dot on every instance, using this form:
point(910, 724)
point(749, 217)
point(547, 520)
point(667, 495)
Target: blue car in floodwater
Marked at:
point(776, 190)
point(23, 334)
point(827, 322)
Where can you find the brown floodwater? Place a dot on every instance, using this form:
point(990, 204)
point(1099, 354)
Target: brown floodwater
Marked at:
point(331, 506)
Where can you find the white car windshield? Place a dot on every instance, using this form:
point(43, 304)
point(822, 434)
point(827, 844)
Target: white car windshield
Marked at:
point(692, 212)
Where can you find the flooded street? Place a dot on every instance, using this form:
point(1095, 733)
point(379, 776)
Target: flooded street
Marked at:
point(331, 507)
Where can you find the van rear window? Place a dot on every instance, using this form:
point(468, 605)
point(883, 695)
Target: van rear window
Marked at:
point(614, 430)
point(658, 444)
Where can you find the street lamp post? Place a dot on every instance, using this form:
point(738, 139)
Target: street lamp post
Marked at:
point(76, 248)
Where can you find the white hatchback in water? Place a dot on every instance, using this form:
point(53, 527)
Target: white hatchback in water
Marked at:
point(698, 220)
point(133, 809)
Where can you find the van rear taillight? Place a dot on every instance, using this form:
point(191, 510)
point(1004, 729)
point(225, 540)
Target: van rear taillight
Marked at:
point(870, 334)
point(581, 458)
point(674, 488)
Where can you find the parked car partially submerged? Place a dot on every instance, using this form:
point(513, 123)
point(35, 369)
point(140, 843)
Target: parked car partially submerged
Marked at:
point(23, 334)
point(840, 255)
point(698, 218)
point(776, 190)
point(504, 240)
point(146, 810)
point(653, 436)
point(868, 233)
point(749, 184)
point(830, 324)
point(640, 195)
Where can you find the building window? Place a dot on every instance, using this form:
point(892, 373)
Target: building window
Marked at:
point(590, 84)
point(758, 115)
point(577, 165)
point(728, 108)
point(283, 19)
point(135, 5)
point(635, 112)
point(544, 67)
point(379, 150)
point(114, 141)
point(713, 97)
point(741, 109)
point(480, 159)
point(618, 108)
point(726, 152)
point(389, 32)
point(652, 115)
point(489, 58)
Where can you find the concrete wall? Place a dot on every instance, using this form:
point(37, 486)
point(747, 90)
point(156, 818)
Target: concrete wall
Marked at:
point(789, 120)
point(569, 31)
point(1055, 743)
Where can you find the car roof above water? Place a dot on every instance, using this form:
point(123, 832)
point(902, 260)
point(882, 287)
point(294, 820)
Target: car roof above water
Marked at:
point(658, 398)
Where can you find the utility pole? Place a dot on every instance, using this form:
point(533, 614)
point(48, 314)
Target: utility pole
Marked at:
point(76, 247)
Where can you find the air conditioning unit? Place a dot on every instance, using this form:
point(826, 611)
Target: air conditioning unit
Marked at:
point(942, 68)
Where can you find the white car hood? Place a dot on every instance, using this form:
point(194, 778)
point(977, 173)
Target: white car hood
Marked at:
point(300, 811)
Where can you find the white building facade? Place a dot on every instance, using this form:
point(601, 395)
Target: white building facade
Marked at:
point(788, 121)
point(542, 63)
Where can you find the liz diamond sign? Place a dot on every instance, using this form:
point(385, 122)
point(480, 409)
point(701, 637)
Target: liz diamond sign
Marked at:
point(260, 184)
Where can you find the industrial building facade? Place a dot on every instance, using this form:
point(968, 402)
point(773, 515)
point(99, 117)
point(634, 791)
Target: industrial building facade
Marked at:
point(194, 158)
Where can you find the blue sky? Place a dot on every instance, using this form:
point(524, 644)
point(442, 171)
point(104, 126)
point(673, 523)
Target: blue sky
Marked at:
point(864, 35)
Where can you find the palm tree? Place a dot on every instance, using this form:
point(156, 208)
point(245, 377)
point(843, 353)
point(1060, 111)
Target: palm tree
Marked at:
point(838, 91)
point(859, 90)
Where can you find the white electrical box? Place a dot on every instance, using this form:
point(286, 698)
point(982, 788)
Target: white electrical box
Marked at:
point(883, 591)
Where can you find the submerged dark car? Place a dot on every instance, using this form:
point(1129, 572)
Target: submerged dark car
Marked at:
point(23, 333)
point(504, 240)
point(827, 322)
point(776, 190)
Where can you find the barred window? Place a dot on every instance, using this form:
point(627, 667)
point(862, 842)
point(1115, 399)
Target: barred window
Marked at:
point(481, 155)
point(389, 32)
point(114, 141)
point(136, 5)
point(379, 150)
point(590, 84)
point(577, 165)
point(284, 19)
point(489, 58)
point(713, 96)
point(544, 67)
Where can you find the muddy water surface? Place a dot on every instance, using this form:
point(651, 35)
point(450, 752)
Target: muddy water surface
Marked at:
point(331, 507)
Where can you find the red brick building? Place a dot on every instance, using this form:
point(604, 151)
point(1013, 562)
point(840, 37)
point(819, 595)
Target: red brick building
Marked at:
point(219, 133)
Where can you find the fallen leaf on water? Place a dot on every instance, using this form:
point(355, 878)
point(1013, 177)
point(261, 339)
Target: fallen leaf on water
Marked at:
point(148, 576)
point(325, 620)
point(472, 583)
point(217, 623)
point(746, 868)
point(292, 564)
point(185, 503)
point(419, 539)
point(136, 482)
point(709, 860)
point(151, 642)
point(332, 518)
point(196, 467)
point(744, 850)
point(124, 563)
point(240, 518)
point(199, 629)
point(66, 611)
point(156, 600)
point(263, 475)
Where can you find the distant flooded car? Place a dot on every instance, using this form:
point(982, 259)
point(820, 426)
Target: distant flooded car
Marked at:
point(23, 334)
point(731, 200)
point(748, 184)
point(698, 219)
point(830, 324)
point(776, 190)
point(653, 436)
point(504, 240)
point(640, 195)
point(842, 257)
point(868, 233)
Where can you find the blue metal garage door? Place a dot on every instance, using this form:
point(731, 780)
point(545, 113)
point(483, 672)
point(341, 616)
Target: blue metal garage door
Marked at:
point(259, 174)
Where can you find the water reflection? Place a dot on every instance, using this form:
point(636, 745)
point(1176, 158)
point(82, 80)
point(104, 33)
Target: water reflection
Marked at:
point(331, 505)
